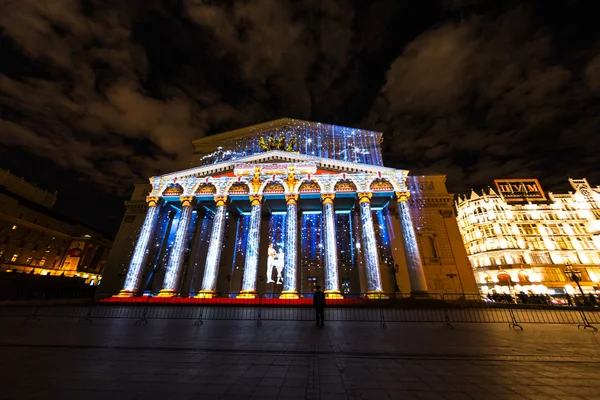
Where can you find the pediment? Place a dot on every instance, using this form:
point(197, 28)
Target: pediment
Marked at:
point(323, 166)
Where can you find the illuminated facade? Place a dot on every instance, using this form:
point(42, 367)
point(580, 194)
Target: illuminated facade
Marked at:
point(281, 207)
point(519, 240)
point(35, 239)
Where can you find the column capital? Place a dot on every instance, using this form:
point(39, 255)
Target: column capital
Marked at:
point(221, 201)
point(187, 201)
point(327, 198)
point(255, 199)
point(291, 198)
point(152, 201)
point(364, 197)
point(402, 196)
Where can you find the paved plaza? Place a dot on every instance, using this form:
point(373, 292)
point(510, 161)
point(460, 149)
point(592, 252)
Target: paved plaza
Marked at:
point(172, 360)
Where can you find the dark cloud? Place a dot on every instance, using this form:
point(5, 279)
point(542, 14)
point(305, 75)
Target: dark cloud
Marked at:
point(487, 97)
point(113, 92)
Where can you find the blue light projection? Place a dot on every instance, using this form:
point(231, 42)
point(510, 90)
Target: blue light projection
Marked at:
point(139, 254)
point(370, 248)
point(215, 247)
point(251, 266)
point(383, 231)
point(291, 252)
point(331, 268)
point(345, 241)
point(312, 244)
point(241, 239)
point(316, 139)
point(157, 246)
point(413, 260)
point(275, 261)
point(203, 239)
point(179, 247)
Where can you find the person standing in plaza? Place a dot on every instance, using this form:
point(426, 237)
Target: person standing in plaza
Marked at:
point(319, 304)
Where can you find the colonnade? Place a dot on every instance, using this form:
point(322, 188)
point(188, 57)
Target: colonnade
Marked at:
point(290, 286)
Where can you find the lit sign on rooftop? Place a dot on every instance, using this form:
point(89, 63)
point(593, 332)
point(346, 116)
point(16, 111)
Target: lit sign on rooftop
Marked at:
point(519, 190)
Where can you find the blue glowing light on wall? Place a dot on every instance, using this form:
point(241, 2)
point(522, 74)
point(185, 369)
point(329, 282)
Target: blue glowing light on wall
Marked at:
point(140, 251)
point(321, 140)
point(215, 248)
point(251, 266)
point(370, 248)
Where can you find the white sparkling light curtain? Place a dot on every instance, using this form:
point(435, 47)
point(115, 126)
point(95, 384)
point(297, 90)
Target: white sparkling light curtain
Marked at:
point(179, 247)
point(413, 259)
point(141, 250)
point(370, 248)
point(289, 279)
point(331, 267)
point(251, 265)
point(215, 247)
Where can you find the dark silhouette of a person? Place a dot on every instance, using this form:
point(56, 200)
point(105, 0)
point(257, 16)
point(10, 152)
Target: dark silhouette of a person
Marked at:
point(319, 304)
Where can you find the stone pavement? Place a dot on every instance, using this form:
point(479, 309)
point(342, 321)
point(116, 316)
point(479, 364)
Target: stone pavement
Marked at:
point(172, 360)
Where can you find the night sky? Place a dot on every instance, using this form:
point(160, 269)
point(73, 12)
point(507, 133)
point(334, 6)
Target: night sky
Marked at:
point(97, 95)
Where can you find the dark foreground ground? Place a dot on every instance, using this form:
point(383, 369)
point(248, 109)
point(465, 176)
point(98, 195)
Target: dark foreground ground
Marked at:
point(172, 360)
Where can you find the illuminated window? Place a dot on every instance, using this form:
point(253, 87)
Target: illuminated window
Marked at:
point(14, 257)
point(29, 260)
point(42, 261)
point(14, 227)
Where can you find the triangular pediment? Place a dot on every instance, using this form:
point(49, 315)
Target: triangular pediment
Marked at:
point(325, 165)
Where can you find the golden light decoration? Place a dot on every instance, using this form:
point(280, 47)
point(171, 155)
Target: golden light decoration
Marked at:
point(207, 189)
point(173, 190)
point(309, 187)
point(277, 143)
point(345, 185)
point(273, 187)
point(381, 185)
point(239, 188)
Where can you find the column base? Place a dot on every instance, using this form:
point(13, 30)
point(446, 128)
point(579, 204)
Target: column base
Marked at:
point(246, 294)
point(205, 294)
point(289, 294)
point(375, 294)
point(166, 293)
point(125, 293)
point(422, 294)
point(333, 294)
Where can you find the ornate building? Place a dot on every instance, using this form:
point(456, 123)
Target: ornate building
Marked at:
point(35, 239)
point(280, 207)
point(520, 240)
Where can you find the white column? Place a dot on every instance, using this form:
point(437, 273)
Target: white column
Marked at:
point(370, 246)
point(252, 247)
point(332, 282)
point(134, 273)
point(173, 272)
point(215, 247)
point(290, 290)
point(416, 274)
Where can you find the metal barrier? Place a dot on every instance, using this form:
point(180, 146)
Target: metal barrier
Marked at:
point(449, 309)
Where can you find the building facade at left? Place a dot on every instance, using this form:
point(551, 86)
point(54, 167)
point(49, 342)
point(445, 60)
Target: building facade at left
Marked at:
point(36, 239)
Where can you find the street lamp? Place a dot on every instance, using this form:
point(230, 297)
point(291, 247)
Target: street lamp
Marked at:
point(575, 276)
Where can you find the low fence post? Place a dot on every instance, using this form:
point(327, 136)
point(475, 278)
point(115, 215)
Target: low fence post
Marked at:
point(382, 317)
point(88, 314)
point(447, 322)
point(514, 324)
point(199, 321)
point(586, 323)
point(143, 319)
point(258, 319)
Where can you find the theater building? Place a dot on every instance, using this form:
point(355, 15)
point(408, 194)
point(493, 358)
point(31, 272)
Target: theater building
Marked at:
point(278, 208)
point(520, 239)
